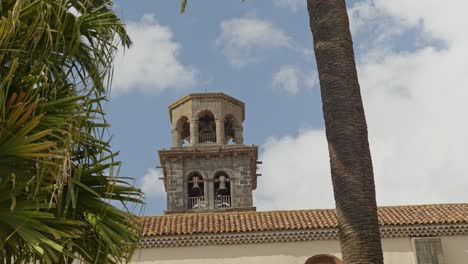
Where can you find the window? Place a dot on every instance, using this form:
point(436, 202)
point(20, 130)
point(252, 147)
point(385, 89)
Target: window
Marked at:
point(428, 250)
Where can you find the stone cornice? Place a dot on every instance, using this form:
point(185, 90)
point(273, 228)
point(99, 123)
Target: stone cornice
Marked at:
point(211, 150)
point(218, 96)
point(295, 236)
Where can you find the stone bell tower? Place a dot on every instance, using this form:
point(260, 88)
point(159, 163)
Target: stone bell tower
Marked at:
point(208, 167)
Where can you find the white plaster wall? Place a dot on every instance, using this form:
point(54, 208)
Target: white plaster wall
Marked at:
point(274, 253)
point(455, 249)
point(396, 251)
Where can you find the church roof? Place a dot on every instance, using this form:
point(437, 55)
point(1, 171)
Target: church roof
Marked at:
point(267, 221)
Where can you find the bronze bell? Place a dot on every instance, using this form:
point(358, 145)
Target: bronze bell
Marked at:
point(196, 186)
point(222, 185)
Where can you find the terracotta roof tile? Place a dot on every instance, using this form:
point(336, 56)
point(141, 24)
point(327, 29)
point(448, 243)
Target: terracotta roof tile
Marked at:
point(238, 222)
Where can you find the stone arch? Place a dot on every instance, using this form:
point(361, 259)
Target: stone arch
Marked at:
point(190, 173)
point(182, 127)
point(222, 189)
point(214, 173)
point(323, 259)
point(205, 111)
point(231, 127)
point(206, 127)
point(196, 197)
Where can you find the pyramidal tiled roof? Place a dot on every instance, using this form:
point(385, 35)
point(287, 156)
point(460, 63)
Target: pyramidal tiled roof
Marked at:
point(240, 222)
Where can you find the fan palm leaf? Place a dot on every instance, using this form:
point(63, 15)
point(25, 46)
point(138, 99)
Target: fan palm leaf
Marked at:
point(57, 179)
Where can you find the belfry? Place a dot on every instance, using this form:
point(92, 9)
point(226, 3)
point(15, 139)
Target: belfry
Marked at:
point(208, 167)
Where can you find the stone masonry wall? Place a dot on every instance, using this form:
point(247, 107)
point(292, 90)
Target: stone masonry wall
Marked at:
point(237, 168)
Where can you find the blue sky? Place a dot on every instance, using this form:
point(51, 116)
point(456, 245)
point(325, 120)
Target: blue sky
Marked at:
point(261, 53)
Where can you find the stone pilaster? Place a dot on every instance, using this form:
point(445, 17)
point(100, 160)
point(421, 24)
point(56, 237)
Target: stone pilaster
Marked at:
point(239, 135)
point(210, 194)
point(193, 132)
point(175, 186)
point(176, 140)
point(219, 131)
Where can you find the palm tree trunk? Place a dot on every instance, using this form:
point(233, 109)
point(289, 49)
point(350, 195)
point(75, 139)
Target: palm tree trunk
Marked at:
point(346, 130)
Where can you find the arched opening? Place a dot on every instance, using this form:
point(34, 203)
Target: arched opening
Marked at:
point(222, 190)
point(324, 259)
point(183, 128)
point(196, 192)
point(206, 127)
point(230, 123)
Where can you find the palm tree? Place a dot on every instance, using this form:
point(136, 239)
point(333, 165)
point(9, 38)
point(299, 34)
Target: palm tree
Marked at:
point(346, 130)
point(57, 170)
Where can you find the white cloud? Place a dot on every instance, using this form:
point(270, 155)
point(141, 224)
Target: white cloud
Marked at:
point(416, 110)
point(311, 80)
point(447, 21)
point(151, 65)
point(292, 5)
point(290, 79)
point(287, 78)
point(361, 13)
point(242, 40)
point(295, 173)
point(151, 185)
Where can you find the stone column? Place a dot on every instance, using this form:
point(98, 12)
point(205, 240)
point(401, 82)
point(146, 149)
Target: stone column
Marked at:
point(219, 131)
point(176, 140)
point(238, 135)
point(210, 193)
point(193, 132)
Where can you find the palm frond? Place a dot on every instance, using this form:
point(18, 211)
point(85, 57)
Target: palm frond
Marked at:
point(56, 185)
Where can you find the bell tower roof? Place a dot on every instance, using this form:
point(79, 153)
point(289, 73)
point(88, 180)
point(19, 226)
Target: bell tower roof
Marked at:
point(206, 118)
point(197, 99)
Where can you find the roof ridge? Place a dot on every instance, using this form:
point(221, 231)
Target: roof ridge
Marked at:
point(303, 210)
point(311, 219)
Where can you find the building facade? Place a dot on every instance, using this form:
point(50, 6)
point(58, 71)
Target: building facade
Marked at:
point(209, 178)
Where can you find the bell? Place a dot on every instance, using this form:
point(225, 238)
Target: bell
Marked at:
point(196, 186)
point(222, 185)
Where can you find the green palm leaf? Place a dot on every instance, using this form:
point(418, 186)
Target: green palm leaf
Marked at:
point(56, 181)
